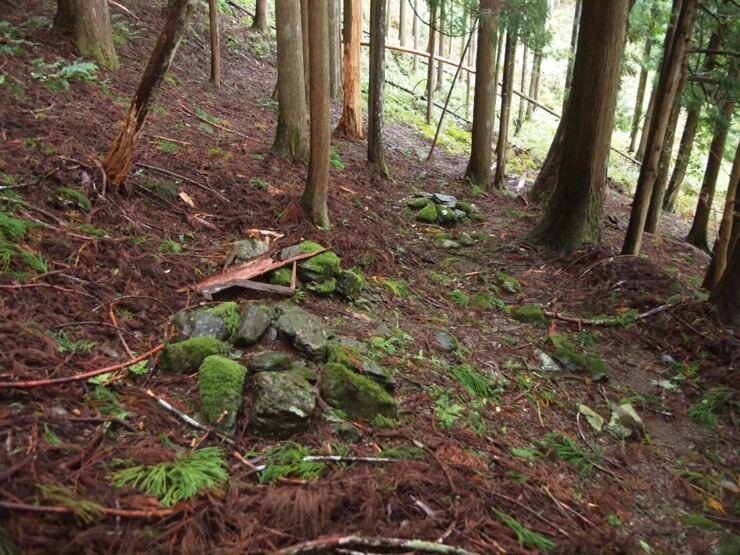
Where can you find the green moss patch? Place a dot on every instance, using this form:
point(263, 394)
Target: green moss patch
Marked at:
point(186, 356)
point(356, 395)
point(573, 361)
point(221, 386)
point(531, 314)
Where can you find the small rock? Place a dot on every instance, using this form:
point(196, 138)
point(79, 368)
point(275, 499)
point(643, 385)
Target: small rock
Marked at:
point(417, 202)
point(508, 283)
point(445, 214)
point(445, 200)
point(221, 386)
point(424, 195)
point(252, 325)
point(351, 284)
point(309, 335)
point(465, 240)
point(249, 248)
point(450, 244)
point(186, 356)
point(348, 432)
point(269, 361)
point(459, 214)
point(547, 362)
point(446, 340)
point(356, 395)
point(594, 419)
point(350, 342)
point(317, 268)
point(200, 323)
point(624, 422)
point(284, 403)
point(427, 214)
point(361, 364)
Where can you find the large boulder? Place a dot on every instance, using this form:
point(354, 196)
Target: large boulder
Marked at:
point(185, 357)
point(252, 325)
point(308, 333)
point(221, 386)
point(284, 403)
point(356, 395)
point(200, 323)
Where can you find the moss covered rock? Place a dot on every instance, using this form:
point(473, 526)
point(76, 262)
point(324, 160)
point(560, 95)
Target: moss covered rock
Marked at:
point(467, 207)
point(252, 325)
point(357, 362)
point(418, 202)
point(531, 314)
point(445, 214)
point(200, 323)
point(269, 361)
point(576, 362)
point(508, 283)
point(351, 284)
point(221, 386)
point(249, 248)
point(229, 313)
point(284, 403)
point(317, 268)
point(186, 356)
point(324, 288)
point(427, 214)
point(310, 337)
point(356, 395)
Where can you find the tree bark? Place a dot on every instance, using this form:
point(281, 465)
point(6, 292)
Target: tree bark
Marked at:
point(305, 49)
point(700, 226)
point(672, 68)
point(376, 89)
point(641, 86)
point(351, 121)
point(682, 160)
point(441, 45)
point(291, 136)
point(479, 165)
point(388, 18)
point(260, 16)
point(497, 67)
point(469, 78)
point(215, 44)
point(415, 32)
point(574, 215)
point(726, 296)
point(118, 160)
point(502, 144)
point(534, 84)
point(664, 164)
point(430, 66)
point(573, 47)
point(522, 102)
point(89, 23)
point(335, 48)
point(640, 154)
point(402, 23)
point(314, 198)
point(548, 176)
point(730, 219)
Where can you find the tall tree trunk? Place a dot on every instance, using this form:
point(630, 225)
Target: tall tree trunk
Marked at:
point(402, 23)
point(502, 144)
point(89, 23)
point(335, 48)
point(682, 160)
point(574, 214)
point(534, 84)
point(388, 18)
point(700, 226)
point(415, 32)
point(291, 136)
point(664, 164)
point(351, 121)
point(500, 42)
point(520, 118)
point(469, 78)
point(441, 45)
point(215, 44)
point(314, 198)
point(305, 49)
point(730, 219)
point(641, 86)
point(479, 166)
point(430, 66)
point(672, 68)
point(573, 47)
point(640, 154)
point(376, 88)
point(260, 16)
point(726, 296)
point(118, 160)
point(548, 176)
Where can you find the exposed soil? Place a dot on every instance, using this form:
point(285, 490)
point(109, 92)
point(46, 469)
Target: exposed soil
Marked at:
point(112, 282)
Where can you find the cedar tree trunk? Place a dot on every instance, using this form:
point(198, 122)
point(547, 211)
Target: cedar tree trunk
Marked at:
point(573, 47)
point(664, 164)
point(726, 296)
point(89, 23)
point(376, 88)
point(441, 46)
point(520, 117)
point(291, 136)
point(415, 32)
point(430, 66)
point(575, 212)
point(682, 160)
point(402, 23)
point(503, 131)
point(314, 198)
point(671, 71)
point(534, 84)
point(641, 86)
point(351, 121)
point(305, 49)
point(479, 166)
point(215, 44)
point(260, 16)
point(335, 49)
point(640, 154)
point(118, 160)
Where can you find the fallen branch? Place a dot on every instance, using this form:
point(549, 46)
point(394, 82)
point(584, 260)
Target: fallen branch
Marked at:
point(83, 376)
point(337, 458)
point(129, 513)
point(322, 545)
point(182, 177)
point(209, 122)
point(612, 322)
point(30, 206)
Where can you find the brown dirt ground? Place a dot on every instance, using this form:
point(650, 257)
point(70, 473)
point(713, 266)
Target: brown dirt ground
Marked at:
point(120, 284)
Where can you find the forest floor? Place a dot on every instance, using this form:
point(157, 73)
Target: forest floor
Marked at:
point(110, 272)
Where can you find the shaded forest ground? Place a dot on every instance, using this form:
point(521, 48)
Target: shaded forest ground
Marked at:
point(118, 264)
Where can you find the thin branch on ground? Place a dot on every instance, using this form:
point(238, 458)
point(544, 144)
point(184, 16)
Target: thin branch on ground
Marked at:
point(322, 545)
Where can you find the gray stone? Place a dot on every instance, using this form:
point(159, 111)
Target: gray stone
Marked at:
point(624, 422)
point(249, 248)
point(185, 357)
point(445, 200)
point(284, 403)
point(508, 283)
point(446, 214)
point(348, 432)
point(352, 359)
point(450, 244)
point(269, 361)
point(309, 335)
point(350, 284)
point(547, 363)
point(595, 420)
point(465, 240)
point(424, 195)
point(200, 323)
point(356, 395)
point(417, 202)
point(445, 340)
point(460, 214)
point(252, 325)
point(350, 342)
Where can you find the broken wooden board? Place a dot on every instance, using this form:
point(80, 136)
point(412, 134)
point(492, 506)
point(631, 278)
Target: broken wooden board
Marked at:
point(245, 271)
point(248, 284)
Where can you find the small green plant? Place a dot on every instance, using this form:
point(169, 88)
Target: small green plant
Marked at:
point(460, 298)
point(104, 401)
point(447, 413)
point(159, 110)
point(525, 536)
point(568, 450)
point(335, 161)
point(259, 183)
point(397, 287)
point(72, 197)
point(168, 147)
point(442, 279)
point(170, 245)
point(477, 384)
point(205, 115)
point(65, 344)
point(179, 480)
point(713, 402)
point(57, 76)
point(487, 301)
point(287, 460)
point(85, 511)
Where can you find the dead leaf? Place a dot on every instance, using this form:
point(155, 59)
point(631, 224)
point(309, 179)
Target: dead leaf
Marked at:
point(186, 199)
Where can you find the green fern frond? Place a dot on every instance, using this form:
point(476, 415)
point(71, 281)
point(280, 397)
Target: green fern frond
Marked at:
point(84, 510)
point(477, 384)
point(76, 197)
point(11, 227)
point(525, 536)
point(568, 450)
point(287, 460)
